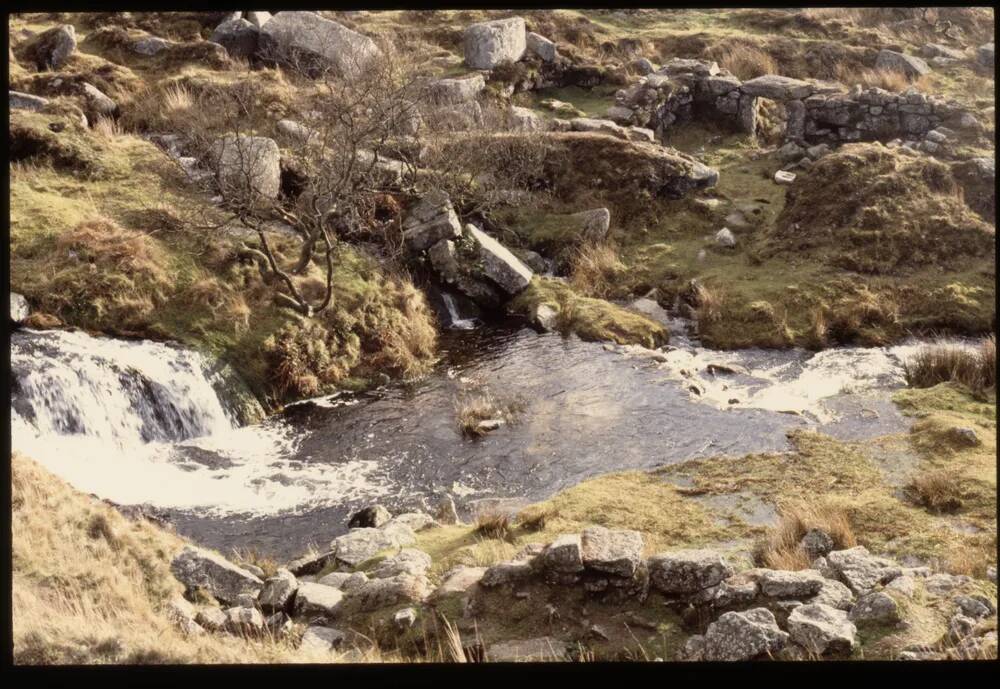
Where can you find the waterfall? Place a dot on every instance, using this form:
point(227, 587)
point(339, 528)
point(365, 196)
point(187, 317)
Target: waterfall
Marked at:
point(454, 316)
point(119, 392)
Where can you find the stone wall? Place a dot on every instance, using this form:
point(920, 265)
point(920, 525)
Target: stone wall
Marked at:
point(817, 112)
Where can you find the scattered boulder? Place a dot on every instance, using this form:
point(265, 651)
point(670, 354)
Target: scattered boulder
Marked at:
point(288, 35)
point(937, 50)
point(277, 591)
point(321, 638)
point(875, 608)
point(150, 45)
point(247, 166)
point(487, 44)
point(415, 521)
point(499, 264)
point(405, 618)
point(456, 90)
point(743, 636)
point(345, 581)
point(407, 561)
point(701, 68)
point(834, 594)
point(643, 66)
point(212, 619)
point(458, 581)
point(976, 606)
point(317, 602)
point(861, 571)
point(525, 120)
point(97, 103)
point(362, 544)
point(822, 629)
point(395, 590)
point(540, 46)
point(243, 621)
point(816, 543)
point(19, 309)
point(312, 564)
point(506, 573)
point(238, 36)
point(183, 614)
point(725, 238)
point(371, 517)
point(687, 571)
point(25, 101)
point(51, 49)
point(432, 219)
point(197, 568)
point(909, 65)
point(784, 177)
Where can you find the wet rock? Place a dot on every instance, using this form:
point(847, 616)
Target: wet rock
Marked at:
point(777, 87)
point(211, 619)
point(687, 571)
point(782, 584)
point(542, 649)
point(370, 517)
point(197, 568)
point(19, 309)
point(743, 636)
point(317, 602)
point(816, 543)
point(499, 264)
point(564, 554)
point(432, 219)
point(909, 65)
point(25, 101)
point(278, 591)
point(344, 581)
point(407, 561)
point(247, 166)
point(238, 36)
point(725, 238)
point(617, 552)
point(457, 90)
point(540, 46)
point(860, 570)
point(822, 629)
point(52, 49)
point(487, 44)
point(395, 590)
point(322, 41)
point(507, 573)
point(321, 638)
point(875, 608)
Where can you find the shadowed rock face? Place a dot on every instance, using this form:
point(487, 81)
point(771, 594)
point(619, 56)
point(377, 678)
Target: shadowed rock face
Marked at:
point(198, 568)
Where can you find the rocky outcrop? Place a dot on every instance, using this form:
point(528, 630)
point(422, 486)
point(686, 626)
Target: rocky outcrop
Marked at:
point(202, 569)
point(498, 264)
point(487, 44)
point(316, 602)
point(541, 47)
point(25, 101)
point(359, 545)
point(431, 220)
point(909, 65)
point(321, 43)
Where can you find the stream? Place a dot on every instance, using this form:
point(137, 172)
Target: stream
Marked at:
point(143, 423)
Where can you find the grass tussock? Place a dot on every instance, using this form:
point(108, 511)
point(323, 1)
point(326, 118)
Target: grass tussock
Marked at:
point(475, 410)
point(91, 587)
point(495, 525)
point(973, 367)
point(781, 548)
point(745, 60)
point(937, 491)
point(596, 270)
point(891, 80)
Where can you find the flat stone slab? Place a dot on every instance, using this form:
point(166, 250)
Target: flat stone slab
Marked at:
point(777, 87)
point(617, 552)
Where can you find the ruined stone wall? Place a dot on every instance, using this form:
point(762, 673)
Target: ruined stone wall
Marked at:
point(817, 112)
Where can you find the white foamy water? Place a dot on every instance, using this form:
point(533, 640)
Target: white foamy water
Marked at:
point(140, 423)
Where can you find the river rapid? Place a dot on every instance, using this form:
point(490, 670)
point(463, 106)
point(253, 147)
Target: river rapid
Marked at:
point(144, 423)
